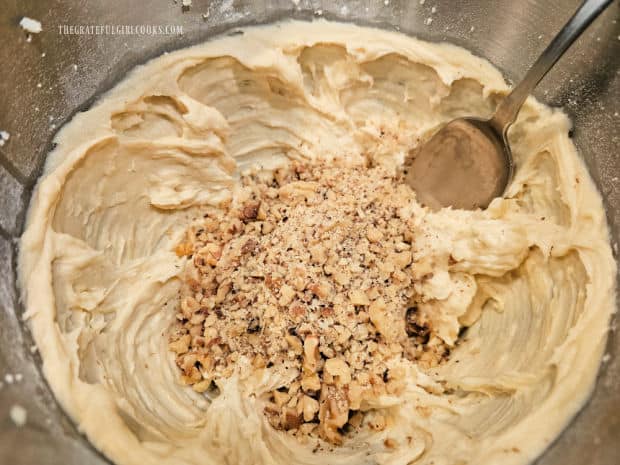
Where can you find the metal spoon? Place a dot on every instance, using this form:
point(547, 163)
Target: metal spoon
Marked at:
point(468, 162)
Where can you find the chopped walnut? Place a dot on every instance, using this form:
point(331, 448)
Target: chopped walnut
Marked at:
point(287, 293)
point(311, 382)
point(294, 343)
point(309, 273)
point(249, 211)
point(338, 371)
point(309, 408)
point(181, 345)
point(374, 234)
point(358, 297)
point(311, 354)
point(333, 413)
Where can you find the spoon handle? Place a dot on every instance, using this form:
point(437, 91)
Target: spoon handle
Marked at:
point(508, 109)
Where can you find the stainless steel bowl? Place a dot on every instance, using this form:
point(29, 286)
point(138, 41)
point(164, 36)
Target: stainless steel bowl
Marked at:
point(45, 81)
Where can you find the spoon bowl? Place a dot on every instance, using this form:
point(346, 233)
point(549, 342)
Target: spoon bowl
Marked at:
point(466, 164)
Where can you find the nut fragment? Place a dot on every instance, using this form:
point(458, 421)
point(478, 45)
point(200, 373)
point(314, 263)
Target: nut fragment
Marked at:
point(280, 398)
point(339, 369)
point(377, 313)
point(294, 343)
point(287, 293)
point(321, 290)
point(202, 386)
point(374, 234)
point(311, 354)
point(318, 254)
point(292, 419)
point(355, 395)
point(181, 345)
point(401, 259)
point(309, 408)
point(222, 291)
point(358, 297)
point(311, 383)
point(333, 413)
point(249, 211)
point(249, 246)
point(184, 249)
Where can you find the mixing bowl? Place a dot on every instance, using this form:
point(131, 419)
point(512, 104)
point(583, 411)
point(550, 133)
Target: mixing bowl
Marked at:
point(48, 77)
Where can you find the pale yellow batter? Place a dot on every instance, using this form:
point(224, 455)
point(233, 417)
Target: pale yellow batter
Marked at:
point(533, 274)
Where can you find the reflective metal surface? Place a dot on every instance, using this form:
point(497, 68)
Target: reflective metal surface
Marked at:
point(44, 81)
point(466, 164)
